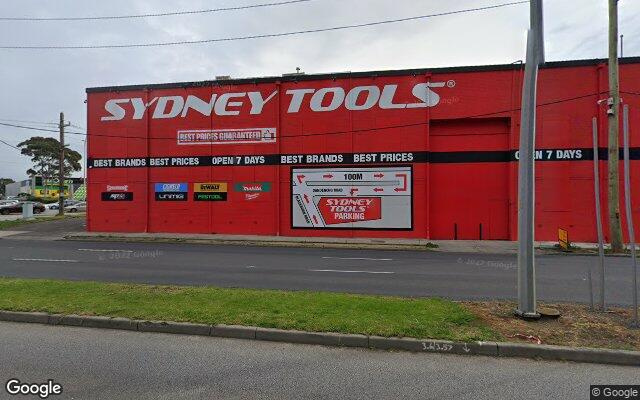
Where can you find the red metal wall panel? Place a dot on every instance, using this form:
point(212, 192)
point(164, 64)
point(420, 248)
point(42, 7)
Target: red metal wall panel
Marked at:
point(456, 131)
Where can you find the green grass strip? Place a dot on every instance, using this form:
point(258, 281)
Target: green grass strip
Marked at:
point(5, 225)
point(309, 311)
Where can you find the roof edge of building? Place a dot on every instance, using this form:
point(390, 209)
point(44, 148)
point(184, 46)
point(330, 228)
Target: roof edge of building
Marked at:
point(361, 74)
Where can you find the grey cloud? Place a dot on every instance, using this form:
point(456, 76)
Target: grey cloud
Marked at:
point(37, 85)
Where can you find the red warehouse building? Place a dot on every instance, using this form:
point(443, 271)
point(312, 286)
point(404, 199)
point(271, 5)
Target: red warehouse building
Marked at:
point(425, 153)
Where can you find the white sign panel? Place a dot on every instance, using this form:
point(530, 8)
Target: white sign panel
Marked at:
point(227, 136)
point(351, 198)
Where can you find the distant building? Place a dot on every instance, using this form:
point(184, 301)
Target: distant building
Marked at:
point(34, 186)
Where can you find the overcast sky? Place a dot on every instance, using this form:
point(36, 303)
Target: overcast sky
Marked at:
point(38, 84)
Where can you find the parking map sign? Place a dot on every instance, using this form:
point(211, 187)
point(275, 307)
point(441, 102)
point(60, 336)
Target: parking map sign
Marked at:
point(352, 198)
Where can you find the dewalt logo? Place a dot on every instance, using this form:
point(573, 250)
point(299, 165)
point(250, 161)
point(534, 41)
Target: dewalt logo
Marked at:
point(212, 187)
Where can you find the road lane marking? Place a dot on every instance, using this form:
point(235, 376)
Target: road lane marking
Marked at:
point(360, 258)
point(351, 272)
point(43, 260)
point(119, 251)
point(251, 266)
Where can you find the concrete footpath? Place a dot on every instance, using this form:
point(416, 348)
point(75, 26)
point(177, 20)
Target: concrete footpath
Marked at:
point(114, 364)
point(492, 349)
point(451, 246)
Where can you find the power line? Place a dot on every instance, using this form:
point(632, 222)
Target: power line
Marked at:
point(33, 128)
point(409, 125)
point(29, 122)
point(261, 36)
point(8, 144)
point(164, 14)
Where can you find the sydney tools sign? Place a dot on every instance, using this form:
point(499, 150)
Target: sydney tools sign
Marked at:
point(323, 99)
point(361, 198)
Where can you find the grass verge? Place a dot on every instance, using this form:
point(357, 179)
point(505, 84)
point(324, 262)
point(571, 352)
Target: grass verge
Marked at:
point(310, 311)
point(4, 225)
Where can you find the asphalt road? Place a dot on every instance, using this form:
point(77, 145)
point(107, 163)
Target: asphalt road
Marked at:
point(104, 364)
point(405, 273)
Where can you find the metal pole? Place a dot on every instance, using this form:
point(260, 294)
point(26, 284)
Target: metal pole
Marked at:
point(536, 17)
point(61, 168)
point(596, 186)
point(613, 112)
point(627, 201)
point(526, 180)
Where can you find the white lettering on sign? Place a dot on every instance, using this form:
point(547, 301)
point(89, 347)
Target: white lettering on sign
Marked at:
point(227, 136)
point(572, 154)
point(372, 97)
point(326, 99)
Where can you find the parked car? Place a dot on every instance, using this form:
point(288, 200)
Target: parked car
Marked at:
point(16, 207)
point(55, 206)
point(77, 207)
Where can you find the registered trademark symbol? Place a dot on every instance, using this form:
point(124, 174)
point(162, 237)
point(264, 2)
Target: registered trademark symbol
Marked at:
point(451, 83)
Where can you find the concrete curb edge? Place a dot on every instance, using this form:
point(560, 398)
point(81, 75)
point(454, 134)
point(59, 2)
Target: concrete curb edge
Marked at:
point(493, 349)
point(258, 243)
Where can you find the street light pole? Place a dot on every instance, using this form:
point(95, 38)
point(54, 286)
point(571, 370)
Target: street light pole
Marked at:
point(526, 171)
point(61, 126)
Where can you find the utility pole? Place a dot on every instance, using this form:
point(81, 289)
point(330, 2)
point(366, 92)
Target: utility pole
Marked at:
point(62, 125)
point(613, 112)
point(526, 170)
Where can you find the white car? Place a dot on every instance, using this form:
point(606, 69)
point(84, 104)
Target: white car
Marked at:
point(77, 207)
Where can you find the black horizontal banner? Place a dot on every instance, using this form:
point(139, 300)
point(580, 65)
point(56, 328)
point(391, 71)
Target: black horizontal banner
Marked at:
point(354, 158)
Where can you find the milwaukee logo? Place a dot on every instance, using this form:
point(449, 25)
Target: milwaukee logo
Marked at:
point(230, 104)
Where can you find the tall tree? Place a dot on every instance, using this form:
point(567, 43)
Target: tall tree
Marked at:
point(45, 156)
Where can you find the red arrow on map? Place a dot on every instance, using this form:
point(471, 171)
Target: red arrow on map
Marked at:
point(379, 175)
point(300, 178)
point(315, 220)
point(327, 176)
point(306, 198)
point(353, 190)
point(378, 189)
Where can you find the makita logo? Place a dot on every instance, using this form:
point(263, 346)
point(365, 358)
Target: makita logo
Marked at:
point(229, 104)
